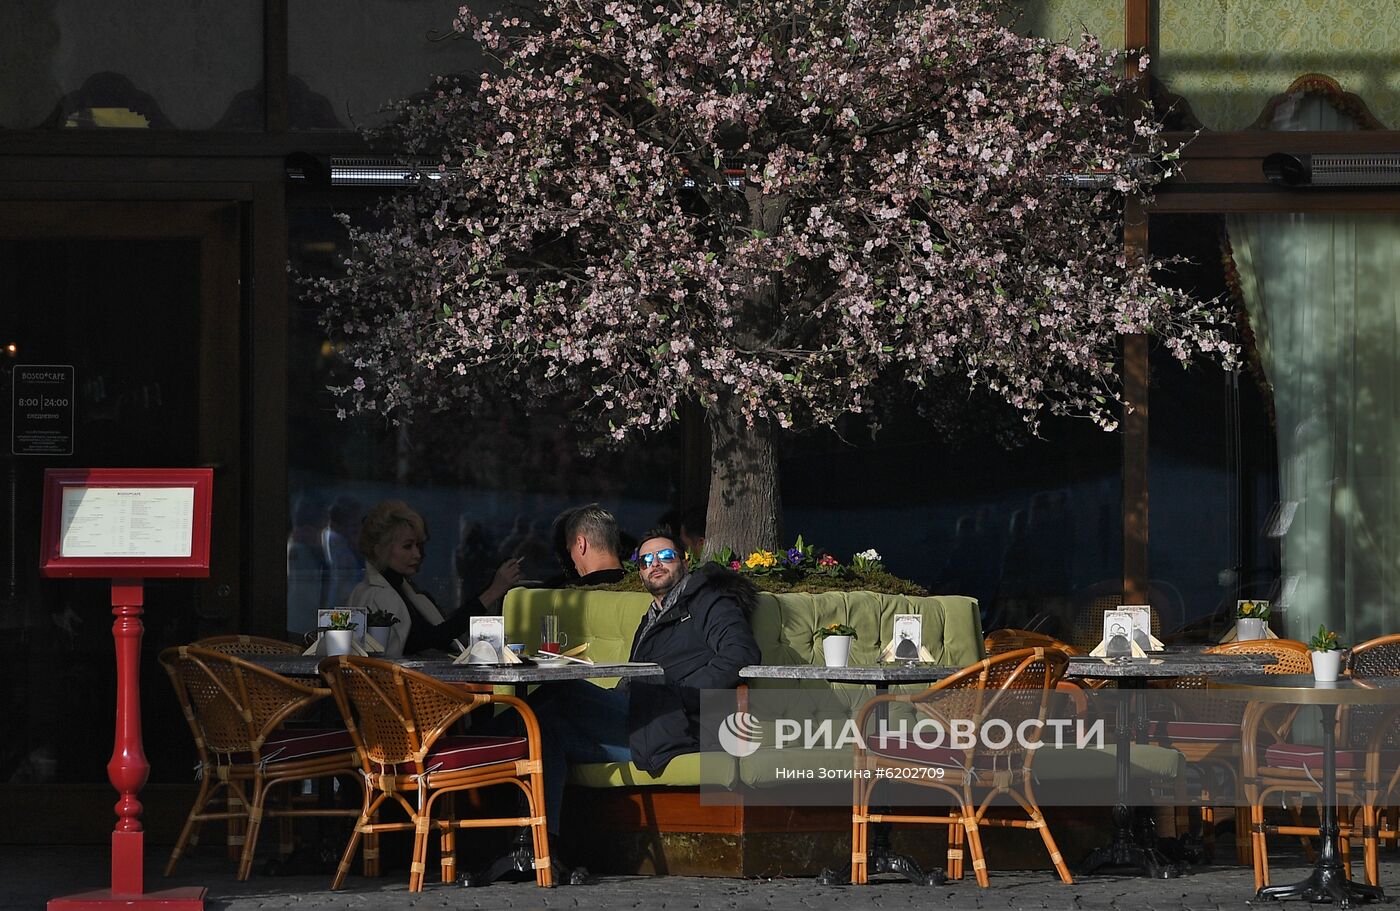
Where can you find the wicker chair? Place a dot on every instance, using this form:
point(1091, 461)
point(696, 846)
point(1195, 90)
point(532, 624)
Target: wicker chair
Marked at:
point(1211, 736)
point(399, 719)
point(237, 713)
point(1015, 686)
point(1379, 657)
point(1293, 768)
point(1000, 641)
point(247, 645)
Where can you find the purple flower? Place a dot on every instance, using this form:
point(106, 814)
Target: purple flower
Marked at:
point(794, 556)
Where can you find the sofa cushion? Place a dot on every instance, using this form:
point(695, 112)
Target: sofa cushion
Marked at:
point(686, 770)
point(784, 625)
point(1148, 763)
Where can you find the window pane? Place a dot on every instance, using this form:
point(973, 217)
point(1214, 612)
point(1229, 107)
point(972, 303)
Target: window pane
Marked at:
point(1066, 20)
point(488, 483)
point(1212, 471)
point(1227, 58)
point(158, 64)
point(1031, 527)
point(348, 59)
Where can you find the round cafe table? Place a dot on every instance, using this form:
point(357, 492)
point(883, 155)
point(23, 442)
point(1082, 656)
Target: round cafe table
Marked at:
point(1328, 881)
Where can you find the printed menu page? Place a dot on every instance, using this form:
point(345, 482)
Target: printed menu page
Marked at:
point(127, 522)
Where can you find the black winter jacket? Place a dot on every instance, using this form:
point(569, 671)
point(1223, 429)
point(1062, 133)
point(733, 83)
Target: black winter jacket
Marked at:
point(701, 642)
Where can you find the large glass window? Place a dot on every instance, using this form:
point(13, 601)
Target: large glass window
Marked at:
point(1227, 58)
point(1067, 20)
point(349, 60)
point(1212, 472)
point(158, 64)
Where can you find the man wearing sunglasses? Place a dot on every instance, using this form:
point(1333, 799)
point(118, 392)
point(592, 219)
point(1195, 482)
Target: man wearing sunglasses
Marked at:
point(697, 629)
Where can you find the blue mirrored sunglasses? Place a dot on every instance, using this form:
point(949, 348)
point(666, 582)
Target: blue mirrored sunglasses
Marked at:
point(665, 555)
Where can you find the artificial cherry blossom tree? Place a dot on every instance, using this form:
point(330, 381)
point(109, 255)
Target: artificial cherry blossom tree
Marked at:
point(778, 210)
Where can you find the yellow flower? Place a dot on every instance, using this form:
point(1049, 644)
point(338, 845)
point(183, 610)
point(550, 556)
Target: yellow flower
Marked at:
point(761, 559)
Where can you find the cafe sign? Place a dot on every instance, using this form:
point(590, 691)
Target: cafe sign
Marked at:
point(42, 410)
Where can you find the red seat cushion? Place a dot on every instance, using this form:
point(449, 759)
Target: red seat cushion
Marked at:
point(297, 744)
point(909, 750)
point(1309, 756)
point(1193, 731)
point(465, 751)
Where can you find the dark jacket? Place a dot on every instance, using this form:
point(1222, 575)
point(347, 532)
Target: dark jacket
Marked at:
point(701, 642)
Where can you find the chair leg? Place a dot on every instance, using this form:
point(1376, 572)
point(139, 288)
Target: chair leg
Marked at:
point(1244, 853)
point(1258, 846)
point(343, 870)
point(448, 842)
point(1032, 808)
point(419, 864)
point(974, 845)
point(250, 837)
point(955, 847)
point(189, 833)
point(539, 830)
point(1370, 823)
point(860, 834)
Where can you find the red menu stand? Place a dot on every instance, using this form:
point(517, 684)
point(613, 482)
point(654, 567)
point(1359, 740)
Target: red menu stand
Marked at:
point(80, 507)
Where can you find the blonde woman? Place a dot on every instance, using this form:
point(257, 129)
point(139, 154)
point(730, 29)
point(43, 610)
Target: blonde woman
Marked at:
point(391, 541)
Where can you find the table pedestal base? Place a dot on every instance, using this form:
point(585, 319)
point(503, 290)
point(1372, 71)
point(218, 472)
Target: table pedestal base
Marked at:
point(521, 859)
point(1129, 849)
point(1325, 884)
point(881, 859)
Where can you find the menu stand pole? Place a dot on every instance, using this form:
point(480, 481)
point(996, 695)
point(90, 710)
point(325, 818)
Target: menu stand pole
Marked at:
point(127, 771)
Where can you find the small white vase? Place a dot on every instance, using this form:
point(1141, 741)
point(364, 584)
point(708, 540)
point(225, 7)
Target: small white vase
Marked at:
point(338, 641)
point(380, 634)
point(1248, 628)
point(1327, 665)
point(836, 650)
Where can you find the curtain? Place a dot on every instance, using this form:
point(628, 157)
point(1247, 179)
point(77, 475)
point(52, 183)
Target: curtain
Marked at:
point(1323, 297)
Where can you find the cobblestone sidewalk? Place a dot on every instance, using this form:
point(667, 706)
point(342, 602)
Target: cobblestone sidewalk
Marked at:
point(30, 876)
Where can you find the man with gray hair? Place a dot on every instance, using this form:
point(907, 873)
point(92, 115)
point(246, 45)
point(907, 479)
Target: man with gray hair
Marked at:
point(591, 539)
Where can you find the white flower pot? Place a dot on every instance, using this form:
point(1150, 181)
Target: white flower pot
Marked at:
point(338, 641)
point(380, 634)
point(1247, 628)
point(1327, 665)
point(836, 650)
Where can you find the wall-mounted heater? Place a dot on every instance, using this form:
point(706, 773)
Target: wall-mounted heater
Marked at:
point(1363, 169)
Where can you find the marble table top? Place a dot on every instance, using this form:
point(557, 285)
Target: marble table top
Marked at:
point(444, 669)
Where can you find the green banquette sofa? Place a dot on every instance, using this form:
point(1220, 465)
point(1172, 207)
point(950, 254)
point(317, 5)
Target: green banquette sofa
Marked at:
point(661, 823)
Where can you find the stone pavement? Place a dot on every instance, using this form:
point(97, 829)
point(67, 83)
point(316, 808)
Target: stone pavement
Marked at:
point(29, 876)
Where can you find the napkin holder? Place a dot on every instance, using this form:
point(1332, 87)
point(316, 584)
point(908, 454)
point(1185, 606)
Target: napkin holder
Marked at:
point(890, 654)
point(483, 652)
point(1133, 651)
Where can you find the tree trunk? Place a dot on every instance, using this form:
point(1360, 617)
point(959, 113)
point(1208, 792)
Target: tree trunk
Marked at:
point(745, 509)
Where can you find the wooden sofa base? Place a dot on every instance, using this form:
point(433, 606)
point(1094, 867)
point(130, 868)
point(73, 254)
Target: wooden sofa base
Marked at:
point(668, 831)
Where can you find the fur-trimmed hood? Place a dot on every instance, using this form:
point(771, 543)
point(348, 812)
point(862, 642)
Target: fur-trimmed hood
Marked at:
point(725, 581)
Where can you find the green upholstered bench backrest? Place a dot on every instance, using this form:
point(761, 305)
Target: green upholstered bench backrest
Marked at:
point(785, 625)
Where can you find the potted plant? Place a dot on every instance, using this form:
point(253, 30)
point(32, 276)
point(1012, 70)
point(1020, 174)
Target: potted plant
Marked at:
point(836, 643)
point(339, 637)
point(1251, 620)
point(1326, 654)
point(377, 625)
